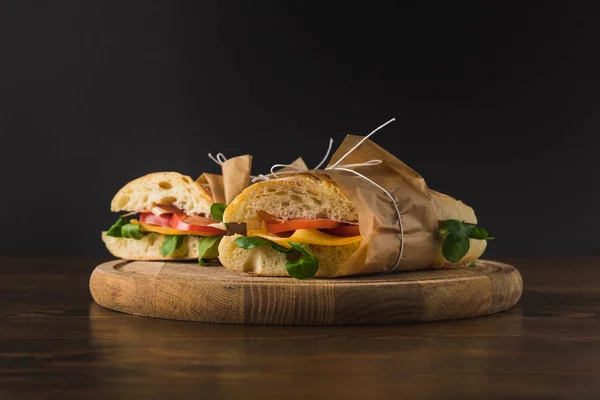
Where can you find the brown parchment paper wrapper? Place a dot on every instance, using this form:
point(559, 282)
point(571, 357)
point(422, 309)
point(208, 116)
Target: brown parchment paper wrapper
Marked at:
point(214, 183)
point(378, 220)
point(236, 177)
point(297, 165)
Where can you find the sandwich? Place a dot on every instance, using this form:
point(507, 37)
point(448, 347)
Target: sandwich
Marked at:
point(167, 216)
point(305, 225)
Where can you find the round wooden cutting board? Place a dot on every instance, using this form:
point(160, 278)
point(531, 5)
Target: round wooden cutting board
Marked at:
point(186, 291)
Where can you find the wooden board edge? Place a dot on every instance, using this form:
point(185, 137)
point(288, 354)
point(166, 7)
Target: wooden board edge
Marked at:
point(116, 291)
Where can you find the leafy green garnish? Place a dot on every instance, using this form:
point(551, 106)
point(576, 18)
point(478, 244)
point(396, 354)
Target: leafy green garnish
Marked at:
point(115, 229)
point(302, 248)
point(454, 249)
point(306, 266)
point(217, 210)
point(456, 238)
point(279, 248)
point(250, 242)
point(170, 244)
point(208, 248)
point(132, 231)
point(472, 264)
point(479, 233)
point(123, 229)
point(458, 229)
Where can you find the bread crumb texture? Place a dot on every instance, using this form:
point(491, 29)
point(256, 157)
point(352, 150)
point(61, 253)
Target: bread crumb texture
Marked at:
point(298, 196)
point(263, 260)
point(148, 247)
point(163, 188)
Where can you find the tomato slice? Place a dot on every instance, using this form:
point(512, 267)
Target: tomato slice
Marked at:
point(151, 219)
point(295, 224)
point(181, 223)
point(278, 225)
point(346, 231)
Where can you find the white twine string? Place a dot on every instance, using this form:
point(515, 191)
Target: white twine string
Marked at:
point(361, 142)
point(326, 154)
point(290, 167)
point(220, 159)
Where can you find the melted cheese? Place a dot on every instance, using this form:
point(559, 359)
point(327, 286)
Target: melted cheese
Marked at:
point(168, 231)
point(306, 236)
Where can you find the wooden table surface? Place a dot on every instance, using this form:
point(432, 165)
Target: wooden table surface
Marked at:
point(56, 343)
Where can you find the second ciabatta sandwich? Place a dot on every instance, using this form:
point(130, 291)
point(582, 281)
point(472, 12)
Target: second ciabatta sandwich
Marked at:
point(167, 216)
point(295, 220)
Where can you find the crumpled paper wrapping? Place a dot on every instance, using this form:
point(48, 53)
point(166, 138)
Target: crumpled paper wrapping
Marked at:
point(235, 178)
point(383, 236)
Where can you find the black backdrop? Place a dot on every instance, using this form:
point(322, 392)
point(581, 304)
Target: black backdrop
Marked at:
point(497, 105)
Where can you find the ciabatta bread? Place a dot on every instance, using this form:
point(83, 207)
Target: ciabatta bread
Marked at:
point(148, 247)
point(475, 251)
point(449, 208)
point(163, 188)
point(296, 196)
point(263, 260)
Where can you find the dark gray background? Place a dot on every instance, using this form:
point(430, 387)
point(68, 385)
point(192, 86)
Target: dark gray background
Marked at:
point(497, 105)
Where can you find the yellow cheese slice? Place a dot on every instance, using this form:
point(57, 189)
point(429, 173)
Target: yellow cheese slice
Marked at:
point(306, 236)
point(168, 231)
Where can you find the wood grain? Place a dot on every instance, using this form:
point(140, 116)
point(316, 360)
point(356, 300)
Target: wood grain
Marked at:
point(56, 343)
point(185, 291)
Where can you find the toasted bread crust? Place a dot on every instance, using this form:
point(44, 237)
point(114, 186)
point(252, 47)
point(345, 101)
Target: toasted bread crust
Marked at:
point(265, 261)
point(148, 248)
point(291, 197)
point(449, 208)
point(143, 193)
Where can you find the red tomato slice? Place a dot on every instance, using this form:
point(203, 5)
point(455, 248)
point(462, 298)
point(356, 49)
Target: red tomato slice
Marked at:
point(149, 218)
point(278, 225)
point(181, 223)
point(346, 230)
point(295, 224)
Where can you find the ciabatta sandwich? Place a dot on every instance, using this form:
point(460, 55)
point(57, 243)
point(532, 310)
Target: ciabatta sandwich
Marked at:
point(167, 216)
point(292, 222)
